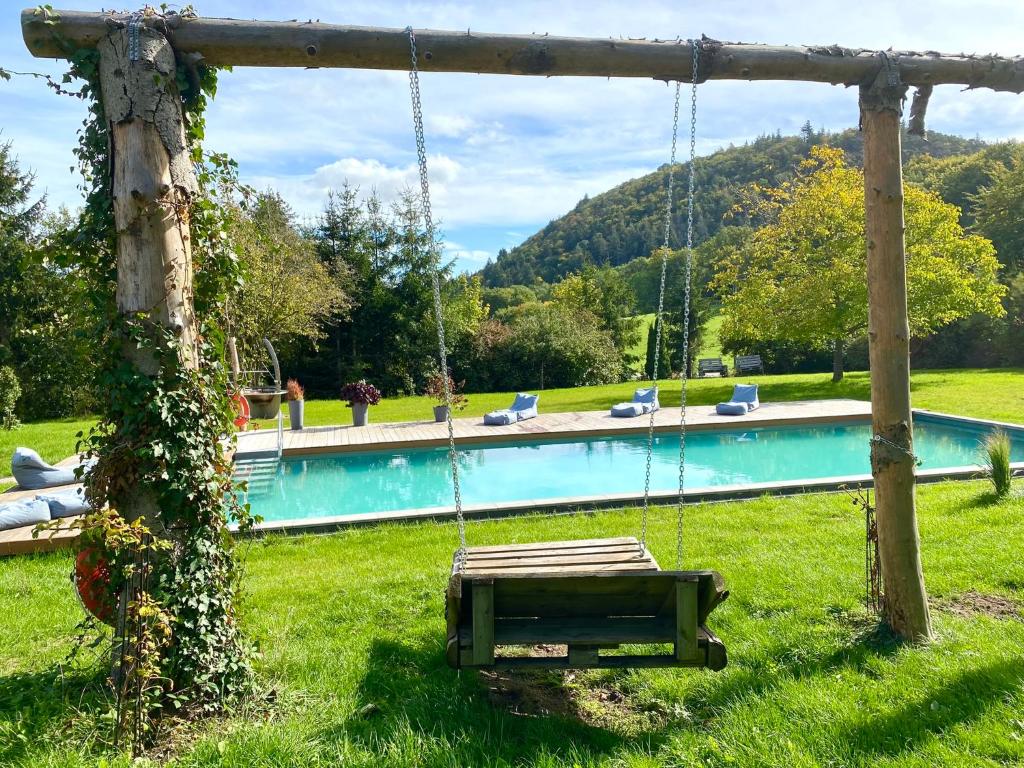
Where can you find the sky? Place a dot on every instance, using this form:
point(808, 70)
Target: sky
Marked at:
point(509, 154)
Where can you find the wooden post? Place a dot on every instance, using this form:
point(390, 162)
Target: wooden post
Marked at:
point(892, 462)
point(152, 186)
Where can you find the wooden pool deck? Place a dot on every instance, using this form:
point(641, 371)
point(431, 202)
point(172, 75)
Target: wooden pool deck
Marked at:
point(19, 541)
point(421, 434)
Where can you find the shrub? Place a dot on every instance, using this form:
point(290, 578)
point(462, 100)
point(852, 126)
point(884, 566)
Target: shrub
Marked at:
point(10, 391)
point(295, 390)
point(997, 462)
point(360, 392)
point(435, 388)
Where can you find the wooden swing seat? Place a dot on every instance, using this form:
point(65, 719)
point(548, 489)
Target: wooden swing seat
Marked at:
point(588, 595)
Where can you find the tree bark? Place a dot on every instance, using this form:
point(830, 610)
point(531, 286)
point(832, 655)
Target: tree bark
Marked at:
point(838, 349)
point(153, 185)
point(232, 42)
point(892, 462)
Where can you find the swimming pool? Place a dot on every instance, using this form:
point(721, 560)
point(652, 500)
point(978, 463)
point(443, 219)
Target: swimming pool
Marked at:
point(333, 485)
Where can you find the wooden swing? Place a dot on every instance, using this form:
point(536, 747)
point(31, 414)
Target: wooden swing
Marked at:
point(586, 595)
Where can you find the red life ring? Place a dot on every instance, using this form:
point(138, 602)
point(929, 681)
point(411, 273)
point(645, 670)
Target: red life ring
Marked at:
point(241, 406)
point(92, 582)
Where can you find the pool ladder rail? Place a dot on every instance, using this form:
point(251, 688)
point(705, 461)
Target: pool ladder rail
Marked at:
point(260, 475)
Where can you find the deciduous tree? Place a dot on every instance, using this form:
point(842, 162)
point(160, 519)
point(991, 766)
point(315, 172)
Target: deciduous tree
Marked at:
point(802, 276)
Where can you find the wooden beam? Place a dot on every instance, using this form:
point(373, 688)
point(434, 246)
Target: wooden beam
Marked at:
point(892, 462)
point(231, 42)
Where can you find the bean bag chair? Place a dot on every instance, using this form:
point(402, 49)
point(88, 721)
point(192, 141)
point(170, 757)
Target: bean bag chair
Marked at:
point(66, 503)
point(15, 514)
point(744, 399)
point(33, 474)
point(644, 401)
point(524, 407)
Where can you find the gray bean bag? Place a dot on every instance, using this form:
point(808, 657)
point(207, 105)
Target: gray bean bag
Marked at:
point(32, 473)
point(15, 514)
point(66, 503)
point(644, 401)
point(524, 407)
point(744, 399)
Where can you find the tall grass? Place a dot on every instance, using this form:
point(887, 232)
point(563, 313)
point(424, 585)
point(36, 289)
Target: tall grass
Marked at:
point(997, 462)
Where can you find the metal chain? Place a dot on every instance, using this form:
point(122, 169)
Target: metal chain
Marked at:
point(442, 348)
point(696, 45)
point(659, 317)
point(134, 46)
point(882, 440)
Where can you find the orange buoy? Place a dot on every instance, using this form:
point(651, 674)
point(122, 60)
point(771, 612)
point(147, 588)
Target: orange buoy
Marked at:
point(92, 582)
point(241, 406)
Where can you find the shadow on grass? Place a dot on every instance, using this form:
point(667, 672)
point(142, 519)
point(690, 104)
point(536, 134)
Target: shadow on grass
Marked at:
point(410, 687)
point(963, 699)
point(869, 640)
point(36, 707)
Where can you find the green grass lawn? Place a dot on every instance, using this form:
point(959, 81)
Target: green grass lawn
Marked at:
point(351, 630)
point(992, 394)
point(711, 344)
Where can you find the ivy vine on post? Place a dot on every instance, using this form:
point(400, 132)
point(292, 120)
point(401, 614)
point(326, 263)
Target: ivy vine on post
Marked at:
point(152, 236)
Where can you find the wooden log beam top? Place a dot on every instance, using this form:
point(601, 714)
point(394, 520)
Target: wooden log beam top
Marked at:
point(231, 42)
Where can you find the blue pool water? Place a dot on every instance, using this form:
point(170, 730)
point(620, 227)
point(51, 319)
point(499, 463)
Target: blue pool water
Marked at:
point(351, 483)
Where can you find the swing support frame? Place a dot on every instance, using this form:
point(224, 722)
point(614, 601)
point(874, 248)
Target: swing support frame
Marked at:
point(141, 167)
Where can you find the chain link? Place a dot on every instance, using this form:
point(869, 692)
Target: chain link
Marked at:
point(696, 46)
point(134, 46)
point(882, 440)
point(442, 347)
point(659, 317)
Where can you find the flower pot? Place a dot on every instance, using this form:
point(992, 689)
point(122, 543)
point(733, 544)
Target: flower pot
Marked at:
point(264, 402)
point(296, 409)
point(440, 413)
point(360, 414)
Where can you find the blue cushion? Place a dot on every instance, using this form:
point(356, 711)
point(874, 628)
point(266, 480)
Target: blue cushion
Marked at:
point(731, 409)
point(16, 514)
point(623, 410)
point(499, 418)
point(744, 393)
point(524, 402)
point(648, 395)
point(66, 503)
point(32, 473)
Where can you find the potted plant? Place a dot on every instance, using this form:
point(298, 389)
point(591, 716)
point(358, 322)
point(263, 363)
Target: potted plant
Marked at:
point(360, 396)
point(296, 403)
point(435, 389)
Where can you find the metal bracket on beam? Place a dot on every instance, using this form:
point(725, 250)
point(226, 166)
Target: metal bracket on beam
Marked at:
point(886, 91)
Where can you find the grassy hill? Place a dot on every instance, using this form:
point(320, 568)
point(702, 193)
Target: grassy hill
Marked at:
point(625, 222)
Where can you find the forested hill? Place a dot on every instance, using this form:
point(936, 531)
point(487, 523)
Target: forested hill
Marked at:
point(626, 222)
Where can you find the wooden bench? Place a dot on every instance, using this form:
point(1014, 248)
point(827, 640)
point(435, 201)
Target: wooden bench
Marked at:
point(587, 595)
point(708, 365)
point(745, 364)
